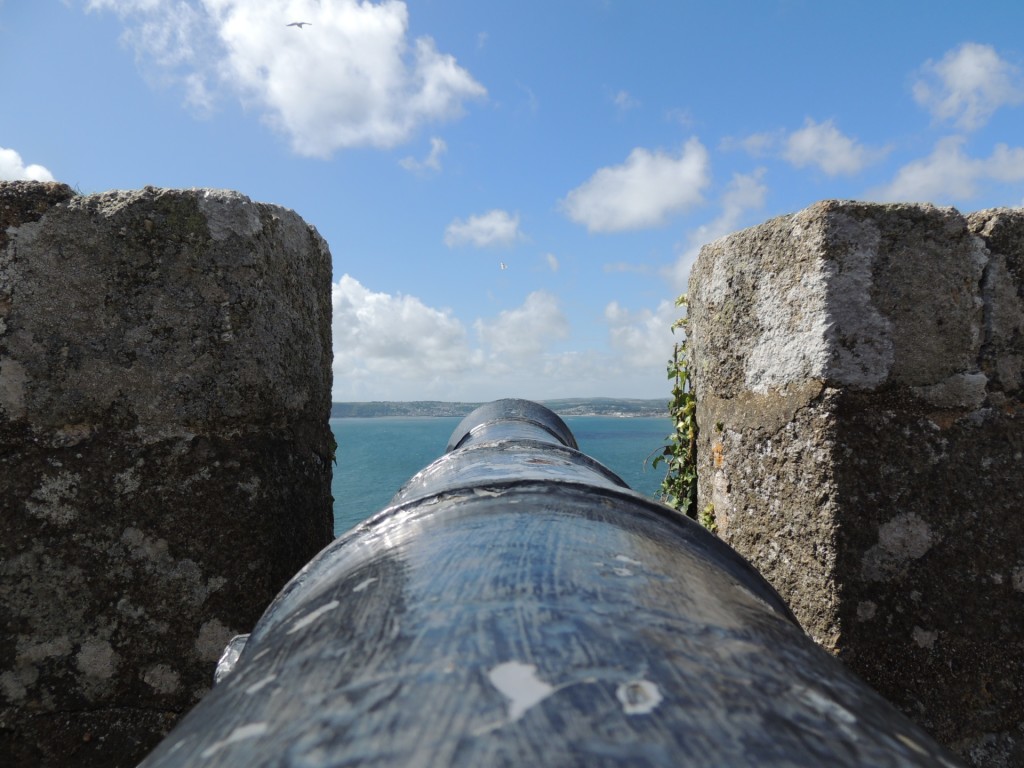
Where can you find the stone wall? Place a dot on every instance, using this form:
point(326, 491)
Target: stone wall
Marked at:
point(859, 371)
point(165, 453)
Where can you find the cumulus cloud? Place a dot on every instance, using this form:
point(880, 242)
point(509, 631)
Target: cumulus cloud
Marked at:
point(949, 175)
point(13, 168)
point(495, 227)
point(824, 146)
point(644, 339)
point(522, 359)
point(968, 85)
point(517, 336)
point(399, 345)
point(394, 337)
point(432, 162)
point(642, 192)
point(352, 78)
point(745, 193)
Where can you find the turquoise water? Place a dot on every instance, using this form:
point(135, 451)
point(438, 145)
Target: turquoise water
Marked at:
point(375, 456)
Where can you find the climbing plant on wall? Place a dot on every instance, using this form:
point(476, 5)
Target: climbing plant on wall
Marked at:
point(679, 488)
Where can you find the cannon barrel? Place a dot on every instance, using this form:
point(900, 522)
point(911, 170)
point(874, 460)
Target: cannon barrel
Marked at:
point(517, 604)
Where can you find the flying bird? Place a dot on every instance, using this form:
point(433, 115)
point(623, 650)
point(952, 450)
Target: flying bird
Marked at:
point(300, 24)
point(503, 265)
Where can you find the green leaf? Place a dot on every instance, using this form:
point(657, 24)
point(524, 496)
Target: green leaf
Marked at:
point(679, 488)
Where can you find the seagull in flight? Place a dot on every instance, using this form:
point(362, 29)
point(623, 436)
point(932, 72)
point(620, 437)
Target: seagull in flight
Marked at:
point(503, 265)
point(300, 24)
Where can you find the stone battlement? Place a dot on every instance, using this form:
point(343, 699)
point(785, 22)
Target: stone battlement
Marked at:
point(859, 372)
point(165, 372)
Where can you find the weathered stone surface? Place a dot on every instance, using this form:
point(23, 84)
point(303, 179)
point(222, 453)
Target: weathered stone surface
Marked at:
point(858, 370)
point(165, 452)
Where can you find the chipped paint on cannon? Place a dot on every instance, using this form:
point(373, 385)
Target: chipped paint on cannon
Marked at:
point(517, 604)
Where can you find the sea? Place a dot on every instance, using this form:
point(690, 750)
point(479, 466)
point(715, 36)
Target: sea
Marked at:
point(377, 455)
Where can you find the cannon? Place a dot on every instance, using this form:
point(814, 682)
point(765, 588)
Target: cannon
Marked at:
point(517, 604)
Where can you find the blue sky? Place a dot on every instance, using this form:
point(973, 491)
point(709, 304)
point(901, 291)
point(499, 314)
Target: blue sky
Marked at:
point(589, 146)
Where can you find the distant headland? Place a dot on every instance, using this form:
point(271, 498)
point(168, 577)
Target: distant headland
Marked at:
point(579, 406)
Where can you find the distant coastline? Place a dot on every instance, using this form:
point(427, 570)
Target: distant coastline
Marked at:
point(580, 406)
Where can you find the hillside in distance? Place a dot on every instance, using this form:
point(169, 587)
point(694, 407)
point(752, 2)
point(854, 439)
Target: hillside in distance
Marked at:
point(580, 406)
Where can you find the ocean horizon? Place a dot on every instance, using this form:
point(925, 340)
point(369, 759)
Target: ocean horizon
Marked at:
point(377, 455)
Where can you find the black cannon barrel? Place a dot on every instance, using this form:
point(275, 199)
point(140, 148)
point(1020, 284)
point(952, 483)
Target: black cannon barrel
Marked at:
point(518, 605)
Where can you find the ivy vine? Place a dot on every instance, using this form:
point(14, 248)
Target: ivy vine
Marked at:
point(679, 488)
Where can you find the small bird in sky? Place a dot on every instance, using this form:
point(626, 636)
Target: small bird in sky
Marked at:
point(300, 24)
point(503, 265)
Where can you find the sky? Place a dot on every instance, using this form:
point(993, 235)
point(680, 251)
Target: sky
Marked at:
point(514, 192)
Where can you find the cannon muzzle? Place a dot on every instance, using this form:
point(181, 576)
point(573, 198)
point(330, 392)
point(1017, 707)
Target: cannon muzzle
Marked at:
point(518, 605)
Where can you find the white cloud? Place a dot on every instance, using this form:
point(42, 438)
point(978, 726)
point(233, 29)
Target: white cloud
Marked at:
point(746, 192)
point(644, 339)
point(381, 335)
point(166, 29)
point(681, 117)
point(174, 40)
point(13, 168)
point(968, 85)
point(948, 175)
point(1006, 164)
point(398, 348)
point(495, 227)
point(623, 101)
point(552, 261)
point(642, 192)
point(755, 145)
point(518, 336)
point(432, 162)
point(822, 145)
point(352, 78)
point(197, 94)
point(521, 358)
